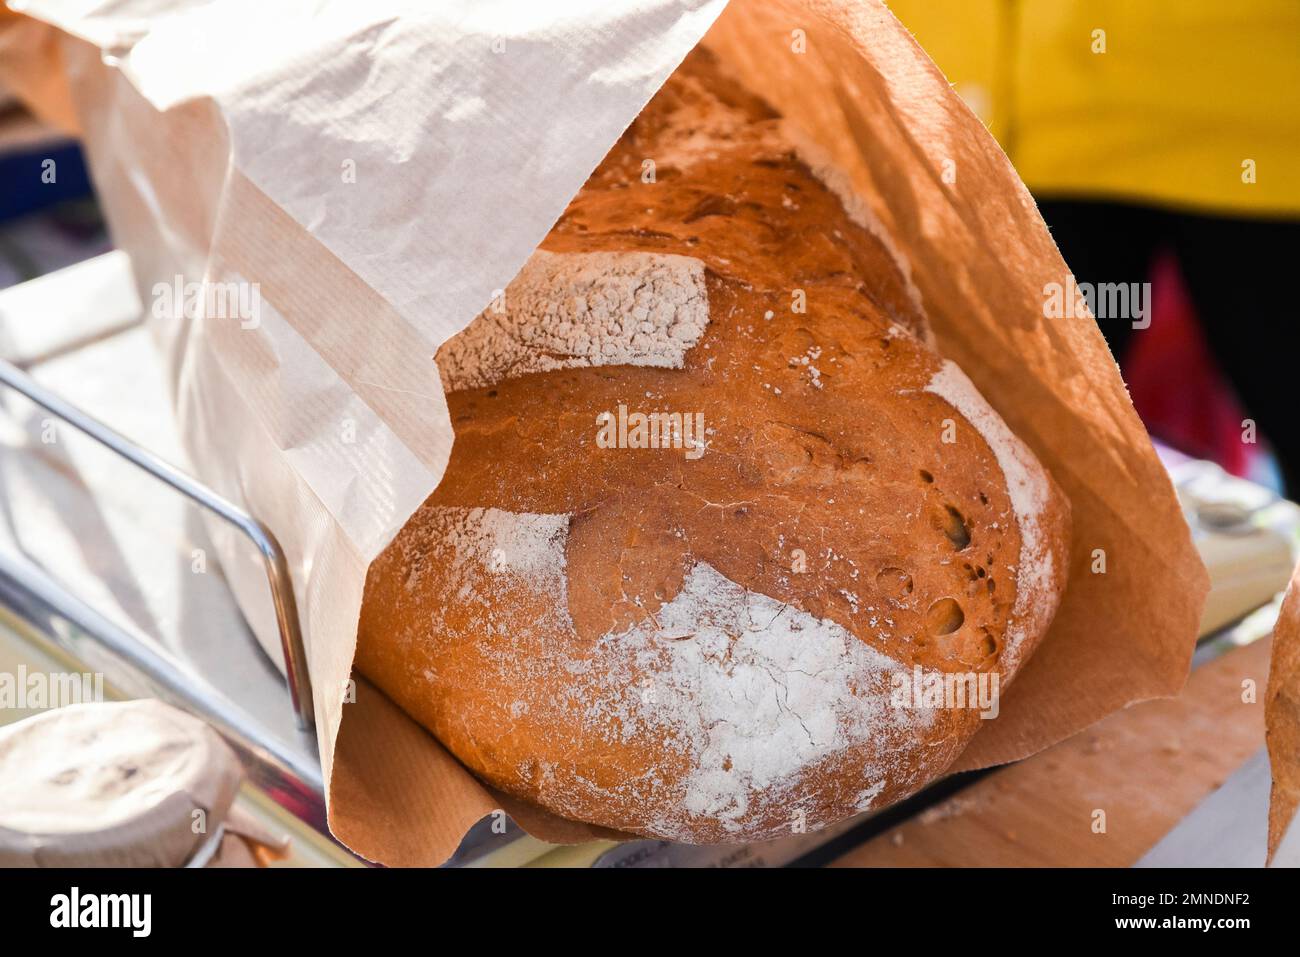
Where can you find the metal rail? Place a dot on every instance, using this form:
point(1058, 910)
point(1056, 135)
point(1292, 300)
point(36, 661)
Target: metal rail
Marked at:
point(277, 568)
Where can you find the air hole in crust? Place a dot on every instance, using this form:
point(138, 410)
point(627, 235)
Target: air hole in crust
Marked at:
point(970, 646)
point(894, 582)
point(944, 617)
point(926, 477)
point(951, 522)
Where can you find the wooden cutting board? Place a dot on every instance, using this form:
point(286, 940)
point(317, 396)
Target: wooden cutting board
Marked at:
point(1137, 773)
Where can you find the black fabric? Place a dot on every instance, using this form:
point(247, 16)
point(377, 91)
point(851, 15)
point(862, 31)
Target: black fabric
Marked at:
point(1238, 273)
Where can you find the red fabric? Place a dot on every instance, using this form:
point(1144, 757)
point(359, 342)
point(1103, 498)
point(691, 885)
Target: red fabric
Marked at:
point(1176, 385)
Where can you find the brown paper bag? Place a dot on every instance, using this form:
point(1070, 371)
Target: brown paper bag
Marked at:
point(467, 130)
point(1282, 717)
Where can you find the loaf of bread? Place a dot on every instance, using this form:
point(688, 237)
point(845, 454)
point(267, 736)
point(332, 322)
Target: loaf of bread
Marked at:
point(714, 501)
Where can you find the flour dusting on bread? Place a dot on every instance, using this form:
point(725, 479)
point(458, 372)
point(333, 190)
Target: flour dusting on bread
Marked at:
point(528, 545)
point(702, 128)
point(756, 691)
point(570, 310)
point(750, 692)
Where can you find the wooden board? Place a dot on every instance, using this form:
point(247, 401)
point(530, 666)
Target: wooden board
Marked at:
point(1145, 768)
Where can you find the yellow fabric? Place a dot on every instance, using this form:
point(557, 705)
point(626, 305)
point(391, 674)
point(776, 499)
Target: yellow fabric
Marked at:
point(1185, 92)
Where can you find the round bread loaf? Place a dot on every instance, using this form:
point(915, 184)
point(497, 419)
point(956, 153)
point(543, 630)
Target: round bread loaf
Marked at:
point(715, 504)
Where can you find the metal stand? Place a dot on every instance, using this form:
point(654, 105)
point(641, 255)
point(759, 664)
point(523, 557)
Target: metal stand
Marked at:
point(277, 568)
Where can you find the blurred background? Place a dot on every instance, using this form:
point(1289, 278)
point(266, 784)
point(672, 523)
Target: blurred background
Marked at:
point(1161, 139)
point(48, 215)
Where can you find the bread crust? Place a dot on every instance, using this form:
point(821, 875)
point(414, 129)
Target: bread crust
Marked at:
point(704, 648)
